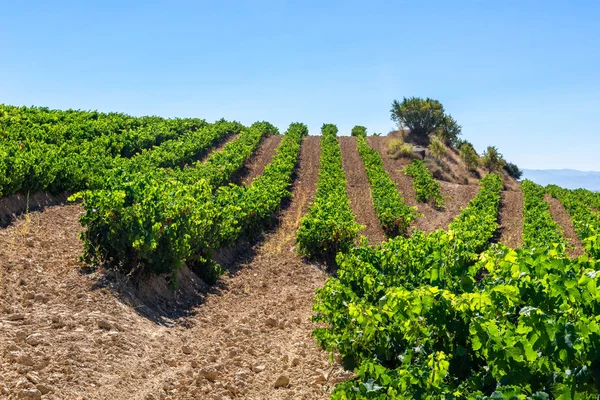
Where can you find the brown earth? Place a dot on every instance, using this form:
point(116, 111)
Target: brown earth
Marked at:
point(456, 195)
point(562, 218)
point(359, 190)
point(259, 160)
point(72, 335)
point(511, 219)
point(17, 204)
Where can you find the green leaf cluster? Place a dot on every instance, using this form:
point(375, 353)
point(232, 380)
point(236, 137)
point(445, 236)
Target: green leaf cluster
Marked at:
point(60, 151)
point(428, 317)
point(585, 221)
point(157, 221)
point(426, 187)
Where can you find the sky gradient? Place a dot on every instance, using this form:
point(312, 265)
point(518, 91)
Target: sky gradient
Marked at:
point(519, 75)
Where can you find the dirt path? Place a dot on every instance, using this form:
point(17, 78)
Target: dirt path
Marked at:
point(458, 196)
point(511, 219)
point(359, 190)
point(257, 163)
point(562, 218)
point(64, 332)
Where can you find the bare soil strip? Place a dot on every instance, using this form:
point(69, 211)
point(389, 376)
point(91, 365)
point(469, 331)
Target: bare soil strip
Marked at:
point(562, 218)
point(511, 219)
point(457, 196)
point(359, 190)
point(63, 333)
point(17, 204)
point(263, 156)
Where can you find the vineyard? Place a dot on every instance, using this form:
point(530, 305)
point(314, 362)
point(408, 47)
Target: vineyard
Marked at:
point(151, 258)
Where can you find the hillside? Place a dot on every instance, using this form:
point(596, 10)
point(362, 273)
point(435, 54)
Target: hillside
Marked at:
point(137, 327)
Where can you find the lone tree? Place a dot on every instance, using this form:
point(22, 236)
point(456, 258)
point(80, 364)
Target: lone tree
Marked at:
point(469, 156)
point(492, 160)
point(425, 117)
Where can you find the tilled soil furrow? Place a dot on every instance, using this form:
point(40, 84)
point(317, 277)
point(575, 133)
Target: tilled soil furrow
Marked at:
point(562, 218)
point(511, 219)
point(255, 166)
point(456, 196)
point(359, 190)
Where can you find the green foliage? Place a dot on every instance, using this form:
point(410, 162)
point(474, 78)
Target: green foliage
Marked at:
point(513, 170)
point(426, 187)
point(158, 221)
point(585, 221)
point(437, 148)
point(329, 226)
point(70, 150)
point(359, 131)
point(219, 166)
point(393, 213)
point(469, 156)
point(539, 228)
point(428, 317)
point(492, 160)
point(425, 117)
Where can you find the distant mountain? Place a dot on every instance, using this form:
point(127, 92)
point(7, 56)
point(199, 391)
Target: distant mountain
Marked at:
point(567, 178)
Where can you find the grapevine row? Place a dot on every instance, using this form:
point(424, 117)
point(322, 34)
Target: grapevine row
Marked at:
point(158, 222)
point(585, 221)
point(371, 309)
point(426, 187)
point(77, 153)
point(393, 213)
point(539, 228)
point(329, 226)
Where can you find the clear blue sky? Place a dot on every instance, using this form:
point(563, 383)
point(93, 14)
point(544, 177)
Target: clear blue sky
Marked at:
point(522, 75)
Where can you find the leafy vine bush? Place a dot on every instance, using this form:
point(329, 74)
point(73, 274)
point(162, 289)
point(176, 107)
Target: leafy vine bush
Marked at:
point(219, 166)
point(394, 215)
point(585, 221)
point(426, 187)
point(431, 317)
point(329, 226)
point(589, 198)
point(359, 131)
point(154, 220)
point(539, 228)
point(70, 150)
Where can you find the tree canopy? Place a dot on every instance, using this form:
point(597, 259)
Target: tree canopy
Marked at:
point(425, 117)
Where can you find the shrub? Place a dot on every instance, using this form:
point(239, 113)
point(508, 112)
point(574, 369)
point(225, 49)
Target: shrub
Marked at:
point(437, 148)
point(394, 146)
point(513, 170)
point(407, 150)
point(469, 156)
point(359, 131)
point(492, 160)
point(425, 117)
